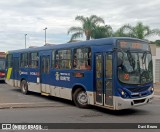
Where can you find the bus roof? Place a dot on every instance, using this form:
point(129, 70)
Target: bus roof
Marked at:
point(102, 41)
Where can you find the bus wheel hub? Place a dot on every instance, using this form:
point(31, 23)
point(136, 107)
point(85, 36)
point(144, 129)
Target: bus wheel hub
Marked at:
point(82, 98)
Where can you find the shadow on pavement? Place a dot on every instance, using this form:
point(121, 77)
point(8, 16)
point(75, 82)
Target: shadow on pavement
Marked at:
point(49, 98)
point(2, 82)
point(124, 112)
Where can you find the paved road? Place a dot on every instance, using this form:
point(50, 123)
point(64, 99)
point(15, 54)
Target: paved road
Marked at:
point(69, 114)
point(11, 97)
point(53, 110)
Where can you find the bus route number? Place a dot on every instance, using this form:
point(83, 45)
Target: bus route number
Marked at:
point(136, 46)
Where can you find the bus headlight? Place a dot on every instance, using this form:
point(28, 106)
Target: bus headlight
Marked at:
point(123, 93)
point(151, 89)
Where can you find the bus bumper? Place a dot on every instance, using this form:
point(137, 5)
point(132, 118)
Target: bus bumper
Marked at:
point(2, 78)
point(121, 103)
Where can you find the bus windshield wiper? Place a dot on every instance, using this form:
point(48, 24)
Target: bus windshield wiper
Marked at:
point(144, 76)
point(130, 59)
point(144, 57)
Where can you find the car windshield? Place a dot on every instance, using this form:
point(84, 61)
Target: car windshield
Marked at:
point(134, 67)
point(2, 64)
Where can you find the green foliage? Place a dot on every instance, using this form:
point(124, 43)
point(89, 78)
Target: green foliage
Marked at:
point(87, 27)
point(157, 42)
point(121, 32)
point(91, 29)
point(138, 31)
point(102, 32)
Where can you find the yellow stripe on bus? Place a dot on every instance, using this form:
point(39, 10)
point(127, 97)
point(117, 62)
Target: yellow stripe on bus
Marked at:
point(9, 73)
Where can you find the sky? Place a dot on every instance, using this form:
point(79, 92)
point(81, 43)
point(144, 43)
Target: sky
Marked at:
point(20, 17)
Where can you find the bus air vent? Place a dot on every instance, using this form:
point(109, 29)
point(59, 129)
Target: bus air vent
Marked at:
point(138, 89)
point(139, 101)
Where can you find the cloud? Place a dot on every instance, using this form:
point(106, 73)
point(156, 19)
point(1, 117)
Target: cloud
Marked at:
point(19, 17)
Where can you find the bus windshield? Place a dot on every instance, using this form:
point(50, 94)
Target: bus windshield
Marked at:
point(134, 67)
point(2, 65)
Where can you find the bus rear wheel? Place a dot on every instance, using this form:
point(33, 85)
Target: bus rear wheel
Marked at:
point(80, 98)
point(24, 87)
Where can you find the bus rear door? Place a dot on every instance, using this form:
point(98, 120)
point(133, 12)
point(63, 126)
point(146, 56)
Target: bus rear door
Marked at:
point(103, 79)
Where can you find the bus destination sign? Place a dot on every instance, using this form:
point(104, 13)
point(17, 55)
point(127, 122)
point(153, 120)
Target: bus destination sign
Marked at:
point(132, 45)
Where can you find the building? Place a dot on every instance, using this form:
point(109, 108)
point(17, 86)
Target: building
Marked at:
point(156, 62)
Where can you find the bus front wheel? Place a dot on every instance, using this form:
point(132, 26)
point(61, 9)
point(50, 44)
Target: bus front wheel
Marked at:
point(24, 87)
point(80, 98)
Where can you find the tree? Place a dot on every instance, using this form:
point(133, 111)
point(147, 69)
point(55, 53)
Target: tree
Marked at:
point(88, 25)
point(157, 42)
point(139, 31)
point(121, 32)
point(102, 32)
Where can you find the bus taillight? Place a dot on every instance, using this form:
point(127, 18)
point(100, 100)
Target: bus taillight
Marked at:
point(2, 74)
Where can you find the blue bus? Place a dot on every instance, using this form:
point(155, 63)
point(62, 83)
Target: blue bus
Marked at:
point(114, 73)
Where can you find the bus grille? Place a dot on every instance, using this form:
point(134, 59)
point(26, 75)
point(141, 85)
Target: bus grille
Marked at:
point(138, 89)
point(139, 101)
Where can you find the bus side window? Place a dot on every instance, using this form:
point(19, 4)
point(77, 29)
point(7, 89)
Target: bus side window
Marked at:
point(63, 59)
point(75, 60)
point(57, 65)
point(89, 59)
point(82, 59)
point(57, 59)
point(53, 58)
point(33, 60)
point(24, 60)
point(9, 60)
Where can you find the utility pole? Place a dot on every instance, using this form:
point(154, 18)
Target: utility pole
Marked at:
point(25, 40)
point(45, 35)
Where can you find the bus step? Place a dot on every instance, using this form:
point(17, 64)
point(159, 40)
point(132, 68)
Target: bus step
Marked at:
point(45, 94)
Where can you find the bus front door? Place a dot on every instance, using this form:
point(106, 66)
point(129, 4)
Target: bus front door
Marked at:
point(44, 74)
point(104, 89)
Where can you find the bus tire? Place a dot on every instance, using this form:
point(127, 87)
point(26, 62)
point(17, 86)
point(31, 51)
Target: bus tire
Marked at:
point(24, 87)
point(80, 98)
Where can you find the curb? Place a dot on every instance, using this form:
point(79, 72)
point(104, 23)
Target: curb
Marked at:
point(28, 105)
